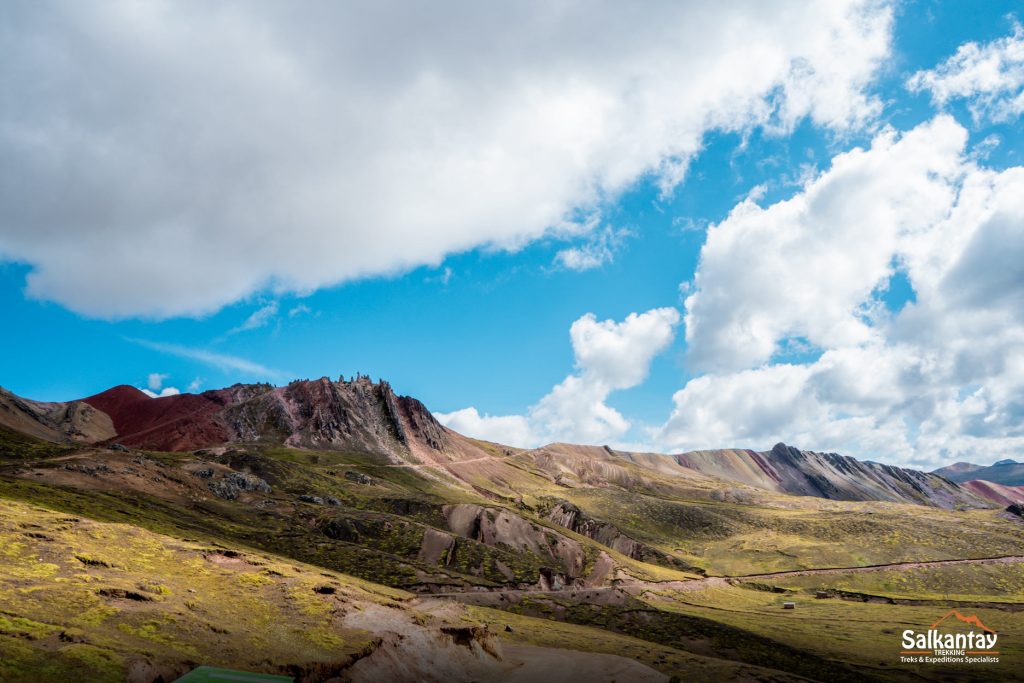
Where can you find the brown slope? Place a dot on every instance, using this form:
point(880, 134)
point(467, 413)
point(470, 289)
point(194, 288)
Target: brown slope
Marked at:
point(73, 422)
point(170, 423)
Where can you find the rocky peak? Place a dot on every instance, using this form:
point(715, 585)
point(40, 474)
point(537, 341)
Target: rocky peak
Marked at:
point(357, 413)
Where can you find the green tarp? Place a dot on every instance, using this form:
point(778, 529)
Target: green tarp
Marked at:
point(208, 674)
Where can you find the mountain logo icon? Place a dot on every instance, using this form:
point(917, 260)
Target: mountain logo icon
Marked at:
point(972, 620)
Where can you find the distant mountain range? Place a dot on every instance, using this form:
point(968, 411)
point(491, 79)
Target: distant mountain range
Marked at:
point(363, 416)
point(1005, 472)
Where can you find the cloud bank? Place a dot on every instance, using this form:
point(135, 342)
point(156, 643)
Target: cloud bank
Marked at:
point(941, 378)
point(262, 148)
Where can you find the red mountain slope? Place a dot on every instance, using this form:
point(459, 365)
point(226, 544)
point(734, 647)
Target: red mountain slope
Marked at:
point(997, 493)
point(171, 423)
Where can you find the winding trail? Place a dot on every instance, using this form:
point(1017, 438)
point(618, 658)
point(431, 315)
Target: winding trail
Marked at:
point(638, 587)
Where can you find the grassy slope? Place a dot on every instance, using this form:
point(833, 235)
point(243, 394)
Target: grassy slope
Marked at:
point(63, 615)
point(15, 446)
point(1003, 583)
point(54, 620)
point(862, 634)
point(391, 514)
point(798, 533)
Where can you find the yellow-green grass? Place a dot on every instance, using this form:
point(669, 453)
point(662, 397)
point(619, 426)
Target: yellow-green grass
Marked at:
point(965, 583)
point(669, 660)
point(730, 539)
point(84, 599)
point(867, 635)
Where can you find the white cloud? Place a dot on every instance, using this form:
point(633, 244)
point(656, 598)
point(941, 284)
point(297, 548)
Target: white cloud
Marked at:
point(222, 361)
point(195, 385)
point(990, 76)
point(268, 149)
point(600, 248)
point(610, 356)
point(505, 429)
point(167, 391)
point(156, 380)
point(806, 267)
point(257, 319)
point(941, 379)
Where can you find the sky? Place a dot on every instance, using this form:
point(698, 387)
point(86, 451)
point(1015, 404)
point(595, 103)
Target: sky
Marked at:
point(659, 226)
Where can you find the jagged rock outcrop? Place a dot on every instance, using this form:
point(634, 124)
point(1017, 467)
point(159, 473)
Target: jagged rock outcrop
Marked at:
point(500, 527)
point(570, 516)
point(356, 414)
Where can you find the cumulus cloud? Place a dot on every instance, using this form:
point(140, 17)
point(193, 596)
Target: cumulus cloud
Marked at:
point(156, 380)
point(505, 429)
point(940, 379)
point(268, 149)
point(989, 75)
point(806, 267)
point(166, 391)
point(610, 356)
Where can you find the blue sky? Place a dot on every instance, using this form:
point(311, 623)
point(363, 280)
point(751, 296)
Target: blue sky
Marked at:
point(480, 319)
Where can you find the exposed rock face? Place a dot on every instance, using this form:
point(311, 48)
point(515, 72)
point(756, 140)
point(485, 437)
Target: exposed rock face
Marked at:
point(234, 483)
point(828, 475)
point(565, 514)
point(570, 516)
point(497, 526)
point(356, 414)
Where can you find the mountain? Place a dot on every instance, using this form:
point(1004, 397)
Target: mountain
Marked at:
point(827, 475)
point(356, 415)
point(1006, 472)
point(364, 416)
point(997, 493)
point(344, 531)
point(957, 469)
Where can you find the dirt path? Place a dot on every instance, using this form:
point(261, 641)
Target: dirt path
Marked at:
point(603, 592)
point(420, 465)
point(1005, 559)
